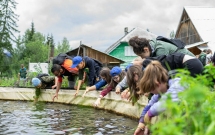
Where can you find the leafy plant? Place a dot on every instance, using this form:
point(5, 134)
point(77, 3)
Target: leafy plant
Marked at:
point(194, 115)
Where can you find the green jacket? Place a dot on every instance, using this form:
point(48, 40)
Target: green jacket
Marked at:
point(164, 48)
point(23, 72)
point(48, 80)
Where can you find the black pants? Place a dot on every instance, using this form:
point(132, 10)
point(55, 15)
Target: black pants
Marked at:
point(71, 80)
point(194, 66)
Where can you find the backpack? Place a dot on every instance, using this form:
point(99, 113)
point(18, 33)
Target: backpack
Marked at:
point(178, 43)
point(60, 58)
point(39, 76)
point(98, 62)
point(202, 58)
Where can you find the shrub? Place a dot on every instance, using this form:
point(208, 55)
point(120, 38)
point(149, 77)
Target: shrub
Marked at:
point(194, 115)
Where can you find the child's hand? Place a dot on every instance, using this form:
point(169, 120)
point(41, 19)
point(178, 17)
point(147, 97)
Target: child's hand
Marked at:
point(147, 119)
point(85, 92)
point(125, 94)
point(97, 103)
point(117, 90)
point(140, 129)
point(76, 93)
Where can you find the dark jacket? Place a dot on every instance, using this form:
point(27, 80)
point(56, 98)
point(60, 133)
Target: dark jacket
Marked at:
point(175, 61)
point(94, 69)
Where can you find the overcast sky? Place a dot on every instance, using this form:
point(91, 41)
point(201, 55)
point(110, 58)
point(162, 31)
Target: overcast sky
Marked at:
point(100, 23)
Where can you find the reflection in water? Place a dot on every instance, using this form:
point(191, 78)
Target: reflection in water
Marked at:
point(26, 118)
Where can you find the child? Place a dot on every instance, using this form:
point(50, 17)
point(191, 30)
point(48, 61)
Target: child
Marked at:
point(105, 79)
point(117, 75)
point(156, 80)
point(134, 74)
point(94, 67)
point(43, 81)
point(108, 76)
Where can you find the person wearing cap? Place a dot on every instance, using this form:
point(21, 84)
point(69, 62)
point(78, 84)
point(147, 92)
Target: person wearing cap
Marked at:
point(94, 67)
point(117, 76)
point(42, 83)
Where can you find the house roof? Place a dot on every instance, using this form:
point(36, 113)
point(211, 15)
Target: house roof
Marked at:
point(134, 32)
point(95, 50)
point(195, 44)
point(203, 19)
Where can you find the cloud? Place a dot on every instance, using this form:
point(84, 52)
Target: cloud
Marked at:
point(100, 23)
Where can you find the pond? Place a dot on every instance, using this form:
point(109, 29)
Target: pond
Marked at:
point(26, 118)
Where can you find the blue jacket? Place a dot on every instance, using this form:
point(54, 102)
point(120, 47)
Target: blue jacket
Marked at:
point(100, 84)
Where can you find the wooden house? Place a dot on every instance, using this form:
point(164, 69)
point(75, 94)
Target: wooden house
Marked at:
point(105, 59)
point(196, 28)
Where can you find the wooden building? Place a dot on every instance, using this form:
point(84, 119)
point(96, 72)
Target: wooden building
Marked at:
point(104, 58)
point(196, 28)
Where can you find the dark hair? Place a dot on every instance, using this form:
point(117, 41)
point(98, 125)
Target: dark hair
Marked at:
point(105, 72)
point(121, 76)
point(209, 51)
point(138, 44)
point(205, 50)
point(55, 67)
point(133, 86)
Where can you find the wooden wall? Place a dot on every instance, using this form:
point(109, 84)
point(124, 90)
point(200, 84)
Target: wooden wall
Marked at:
point(186, 31)
point(105, 59)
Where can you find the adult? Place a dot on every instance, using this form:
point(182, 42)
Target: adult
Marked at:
point(64, 70)
point(94, 67)
point(145, 48)
point(43, 81)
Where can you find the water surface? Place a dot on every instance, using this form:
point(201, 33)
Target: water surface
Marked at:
point(26, 118)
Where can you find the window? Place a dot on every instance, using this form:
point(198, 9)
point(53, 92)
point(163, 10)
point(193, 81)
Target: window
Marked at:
point(129, 51)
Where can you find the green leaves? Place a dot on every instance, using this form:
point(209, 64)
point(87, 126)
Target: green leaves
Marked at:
point(194, 115)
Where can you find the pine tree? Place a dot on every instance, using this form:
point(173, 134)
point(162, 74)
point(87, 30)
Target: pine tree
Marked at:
point(31, 32)
point(8, 27)
point(8, 24)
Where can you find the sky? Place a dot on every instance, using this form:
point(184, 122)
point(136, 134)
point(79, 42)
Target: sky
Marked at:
point(100, 23)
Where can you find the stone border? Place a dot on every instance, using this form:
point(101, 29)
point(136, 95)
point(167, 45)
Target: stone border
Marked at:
point(111, 102)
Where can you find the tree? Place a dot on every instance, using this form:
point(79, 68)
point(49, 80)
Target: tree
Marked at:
point(172, 34)
point(8, 24)
point(31, 32)
point(8, 27)
point(63, 46)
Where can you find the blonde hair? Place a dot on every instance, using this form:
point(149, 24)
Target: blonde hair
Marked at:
point(153, 74)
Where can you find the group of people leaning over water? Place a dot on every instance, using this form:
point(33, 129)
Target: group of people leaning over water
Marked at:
point(149, 74)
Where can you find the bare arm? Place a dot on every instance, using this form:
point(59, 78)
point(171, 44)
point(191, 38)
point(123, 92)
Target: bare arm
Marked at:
point(56, 81)
point(89, 89)
point(78, 87)
point(57, 90)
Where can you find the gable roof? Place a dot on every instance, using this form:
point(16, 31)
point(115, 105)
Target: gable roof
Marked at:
point(134, 32)
point(203, 19)
point(85, 46)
